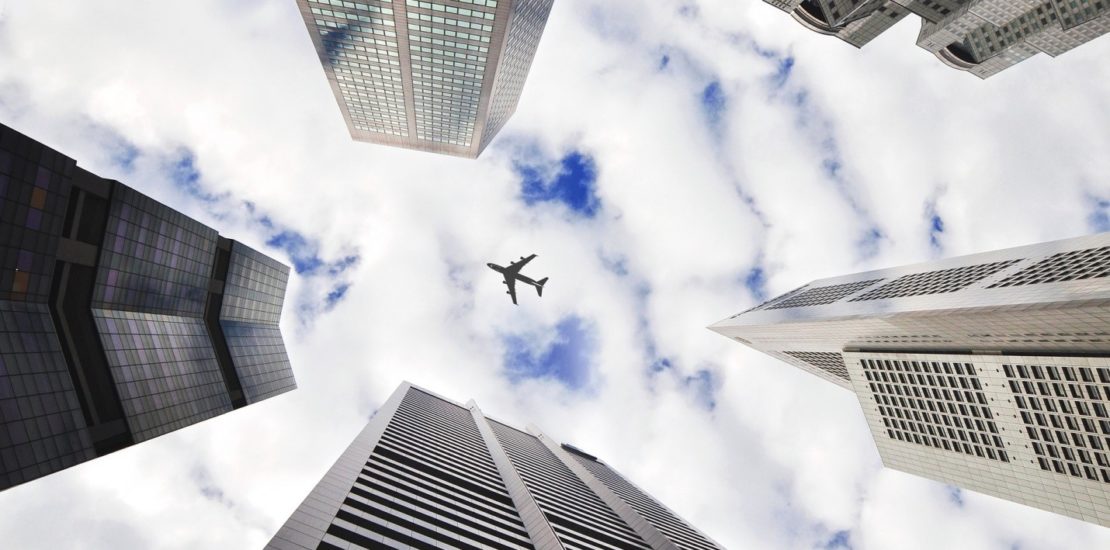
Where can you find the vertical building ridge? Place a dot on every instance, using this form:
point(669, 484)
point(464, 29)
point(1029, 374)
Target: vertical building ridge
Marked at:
point(646, 530)
point(543, 537)
point(471, 482)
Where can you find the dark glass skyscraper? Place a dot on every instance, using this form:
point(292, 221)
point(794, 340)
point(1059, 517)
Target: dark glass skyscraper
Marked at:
point(121, 319)
point(429, 473)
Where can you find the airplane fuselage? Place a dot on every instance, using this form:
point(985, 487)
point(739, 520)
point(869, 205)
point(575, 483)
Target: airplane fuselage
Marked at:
point(512, 274)
point(517, 276)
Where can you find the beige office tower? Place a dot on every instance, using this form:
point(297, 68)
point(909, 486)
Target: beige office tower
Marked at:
point(982, 37)
point(441, 76)
point(990, 372)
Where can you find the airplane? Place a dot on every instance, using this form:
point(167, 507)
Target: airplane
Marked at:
point(512, 275)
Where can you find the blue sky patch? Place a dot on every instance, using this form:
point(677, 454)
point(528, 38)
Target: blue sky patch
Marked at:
point(1099, 218)
point(568, 358)
point(955, 495)
point(208, 487)
point(337, 294)
point(704, 387)
point(617, 265)
point(660, 365)
point(756, 283)
point(713, 102)
point(839, 540)
point(868, 244)
point(301, 252)
point(936, 229)
point(183, 172)
point(664, 60)
point(574, 184)
point(785, 69)
point(784, 64)
point(121, 152)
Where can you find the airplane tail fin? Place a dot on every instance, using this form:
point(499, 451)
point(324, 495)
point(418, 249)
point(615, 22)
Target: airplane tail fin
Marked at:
point(539, 286)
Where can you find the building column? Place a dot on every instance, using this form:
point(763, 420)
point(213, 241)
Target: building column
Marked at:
point(641, 526)
point(535, 522)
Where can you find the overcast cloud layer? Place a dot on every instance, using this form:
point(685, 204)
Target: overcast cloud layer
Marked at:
point(672, 162)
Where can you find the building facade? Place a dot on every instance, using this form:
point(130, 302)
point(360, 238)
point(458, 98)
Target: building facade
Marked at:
point(990, 371)
point(430, 473)
point(982, 37)
point(120, 319)
point(439, 76)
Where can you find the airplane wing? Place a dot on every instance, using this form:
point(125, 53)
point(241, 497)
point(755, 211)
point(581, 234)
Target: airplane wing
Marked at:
point(516, 266)
point(510, 282)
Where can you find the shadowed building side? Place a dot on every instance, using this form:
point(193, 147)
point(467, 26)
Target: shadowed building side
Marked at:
point(108, 331)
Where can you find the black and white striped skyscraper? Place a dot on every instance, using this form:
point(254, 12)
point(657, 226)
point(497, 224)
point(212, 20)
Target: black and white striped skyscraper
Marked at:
point(429, 473)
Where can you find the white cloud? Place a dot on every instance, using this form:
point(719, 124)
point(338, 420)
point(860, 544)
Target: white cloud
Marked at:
point(782, 460)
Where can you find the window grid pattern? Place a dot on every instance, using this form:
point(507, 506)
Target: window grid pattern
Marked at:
point(989, 39)
point(526, 27)
point(936, 404)
point(252, 300)
point(34, 190)
point(776, 299)
point(42, 428)
point(361, 48)
point(260, 359)
point(1065, 266)
point(255, 287)
point(446, 93)
point(983, 37)
point(830, 362)
point(676, 530)
point(429, 483)
point(154, 259)
point(822, 295)
point(934, 282)
point(1064, 410)
point(164, 368)
point(578, 516)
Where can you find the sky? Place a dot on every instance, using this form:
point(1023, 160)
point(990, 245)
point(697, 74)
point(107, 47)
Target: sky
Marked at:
point(671, 162)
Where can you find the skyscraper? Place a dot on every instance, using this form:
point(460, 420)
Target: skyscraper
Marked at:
point(430, 473)
point(982, 37)
point(120, 319)
point(989, 371)
point(440, 76)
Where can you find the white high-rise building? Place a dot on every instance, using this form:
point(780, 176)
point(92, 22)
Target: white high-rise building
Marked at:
point(441, 76)
point(982, 37)
point(990, 371)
